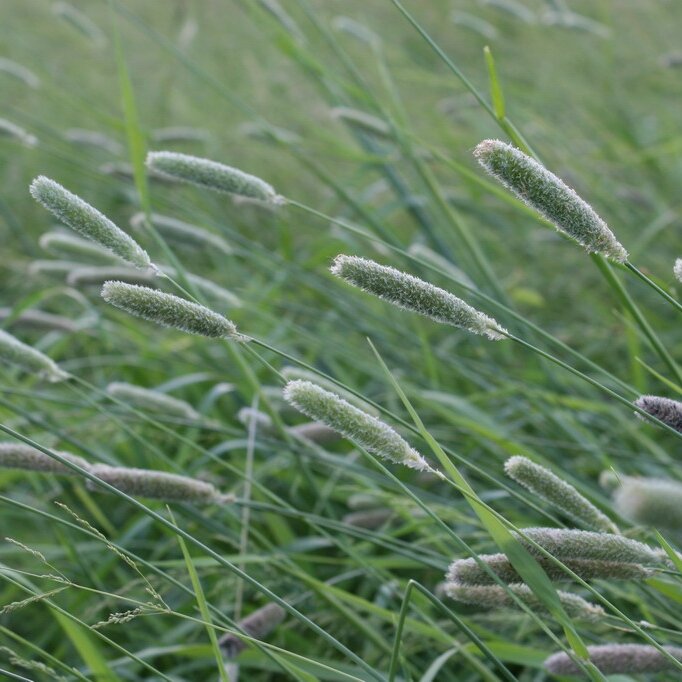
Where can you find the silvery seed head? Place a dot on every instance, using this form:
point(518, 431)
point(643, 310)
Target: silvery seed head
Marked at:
point(497, 597)
point(549, 196)
point(677, 270)
point(649, 502)
point(98, 274)
point(211, 175)
point(157, 485)
point(39, 319)
point(20, 72)
point(666, 410)
point(249, 415)
point(93, 138)
point(568, 543)
point(13, 130)
point(88, 221)
point(258, 625)
point(168, 310)
point(548, 486)
point(360, 427)
point(411, 293)
point(151, 400)
point(22, 456)
point(68, 245)
point(315, 432)
point(612, 659)
point(468, 571)
point(29, 359)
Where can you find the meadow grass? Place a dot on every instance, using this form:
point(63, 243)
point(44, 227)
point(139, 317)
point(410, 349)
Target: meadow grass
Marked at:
point(278, 549)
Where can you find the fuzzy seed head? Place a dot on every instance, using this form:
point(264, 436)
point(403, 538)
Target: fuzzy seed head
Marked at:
point(497, 597)
point(412, 293)
point(211, 175)
point(20, 72)
point(371, 519)
point(360, 427)
point(13, 130)
point(93, 138)
point(22, 456)
point(39, 319)
point(650, 502)
point(157, 485)
point(29, 359)
point(258, 625)
point(612, 659)
point(153, 401)
point(551, 197)
point(180, 134)
point(468, 572)
point(168, 310)
point(315, 432)
point(666, 410)
point(548, 486)
point(88, 221)
point(66, 245)
point(362, 121)
point(677, 270)
point(249, 415)
point(98, 274)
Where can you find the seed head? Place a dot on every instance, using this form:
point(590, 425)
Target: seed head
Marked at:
point(180, 134)
point(168, 310)
point(362, 121)
point(549, 196)
point(13, 130)
point(98, 274)
point(211, 175)
point(677, 270)
point(80, 21)
point(93, 138)
point(157, 485)
point(39, 319)
point(258, 625)
point(88, 221)
point(22, 456)
point(649, 502)
point(360, 427)
point(248, 415)
point(154, 401)
point(368, 518)
point(29, 359)
point(468, 571)
point(68, 245)
point(497, 597)
point(612, 659)
point(20, 72)
point(664, 409)
point(315, 432)
point(411, 293)
point(548, 486)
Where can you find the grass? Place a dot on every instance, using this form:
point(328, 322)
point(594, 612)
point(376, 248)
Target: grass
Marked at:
point(114, 588)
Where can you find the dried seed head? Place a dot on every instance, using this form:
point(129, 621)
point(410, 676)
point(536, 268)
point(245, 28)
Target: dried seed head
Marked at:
point(360, 427)
point(88, 221)
point(183, 232)
point(548, 486)
point(154, 401)
point(549, 196)
point(9, 129)
point(258, 625)
point(20, 72)
point(612, 659)
point(22, 456)
point(497, 597)
point(29, 359)
point(649, 502)
point(211, 175)
point(168, 310)
point(564, 543)
point(93, 138)
point(157, 485)
point(468, 572)
point(666, 410)
point(68, 245)
point(411, 293)
point(362, 121)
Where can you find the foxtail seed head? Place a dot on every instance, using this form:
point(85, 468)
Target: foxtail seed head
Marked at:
point(154, 401)
point(13, 130)
point(67, 245)
point(649, 502)
point(157, 485)
point(612, 659)
point(211, 175)
point(360, 427)
point(168, 310)
point(551, 197)
point(677, 270)
point(412, 293)
point(29, 359)
point(22, 456)
point(548, 486)
point(257, 625)
point(497, 597)
point(664, 409)
point(20, 72)
point(93, 138)
point(88, 221)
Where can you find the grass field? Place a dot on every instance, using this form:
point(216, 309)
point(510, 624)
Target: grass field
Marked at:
point(364, 117)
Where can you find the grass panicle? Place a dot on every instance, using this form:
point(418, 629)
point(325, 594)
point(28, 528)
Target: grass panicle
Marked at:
point(651, 502)
point(153, 401)
point(20, 72)
point(257, 625)
point(664, 409)
point(10, 129)
point(29, 359)
point(21, 456)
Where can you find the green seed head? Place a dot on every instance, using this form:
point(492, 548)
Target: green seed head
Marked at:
point(360, 427)
point(649, 502)
point(548, 486)
point(411, 293)
point(168, 310)
point(9, 129)
point(88, 221)
point(211, 175)
point(151, 400)
point(549, 196)
point(20, 72)
point(29, 359)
